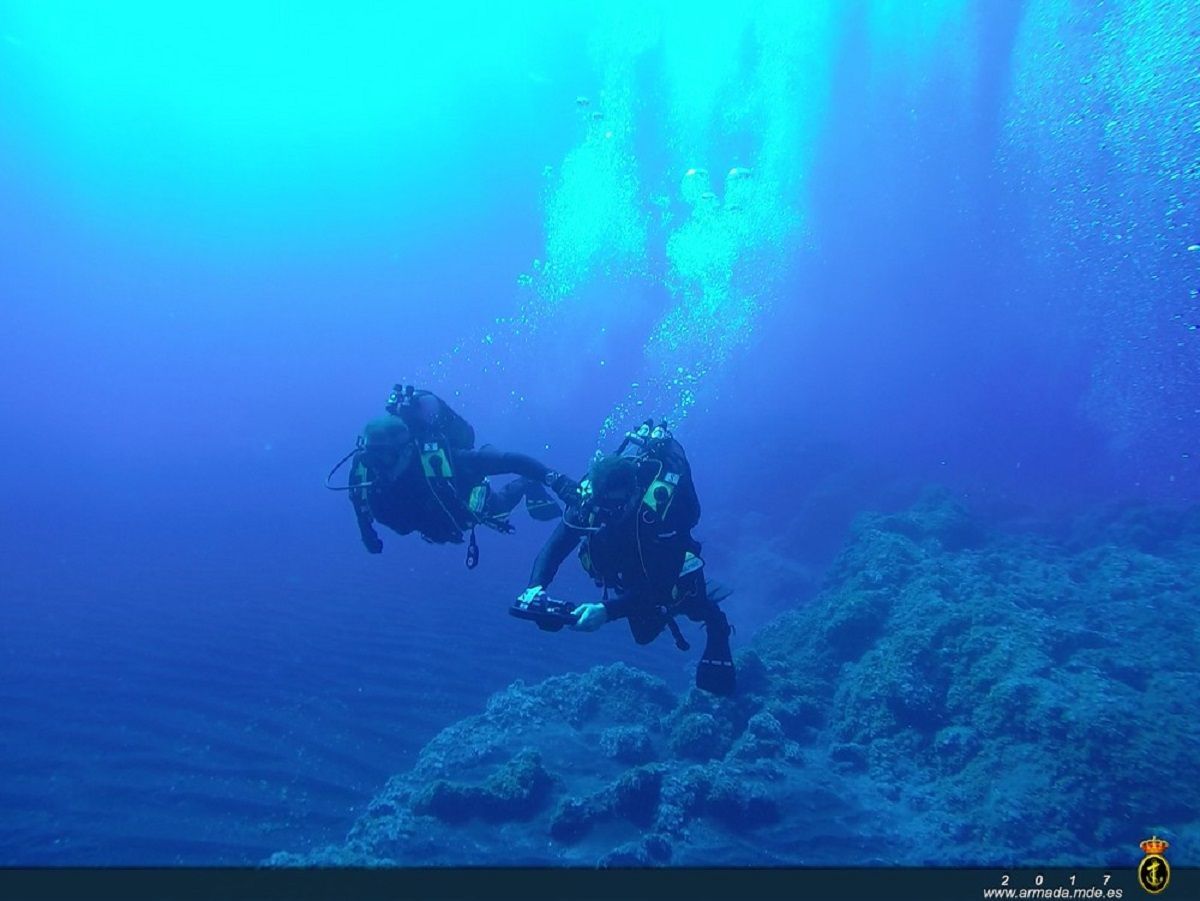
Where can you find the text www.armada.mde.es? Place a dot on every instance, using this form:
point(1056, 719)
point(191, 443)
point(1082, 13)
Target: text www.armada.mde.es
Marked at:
point(1060, 892)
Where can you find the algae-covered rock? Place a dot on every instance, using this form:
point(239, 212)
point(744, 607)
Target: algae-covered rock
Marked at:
point(616, 693)
point(698, 736)
point(636, 793)
point(849, 756)
point(654, 850)
point(628, 744)
point(763, 738)
point(740, 805)
point(634, 796)
point(574, 818)
point(514, 791)
point(936, 517)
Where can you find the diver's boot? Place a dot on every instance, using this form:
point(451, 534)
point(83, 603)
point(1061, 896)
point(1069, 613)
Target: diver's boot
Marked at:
point(715, 671)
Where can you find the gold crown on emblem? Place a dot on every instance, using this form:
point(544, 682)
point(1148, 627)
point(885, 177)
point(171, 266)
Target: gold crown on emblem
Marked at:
point(1155, 845)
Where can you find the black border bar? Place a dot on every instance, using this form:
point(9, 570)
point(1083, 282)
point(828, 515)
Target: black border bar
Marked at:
point(695, 884)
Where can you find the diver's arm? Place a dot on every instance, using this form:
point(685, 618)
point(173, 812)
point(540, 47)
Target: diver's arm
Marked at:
point(362, 511)
point(562, 541)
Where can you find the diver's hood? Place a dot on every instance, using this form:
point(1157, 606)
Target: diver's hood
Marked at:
point(387, 446)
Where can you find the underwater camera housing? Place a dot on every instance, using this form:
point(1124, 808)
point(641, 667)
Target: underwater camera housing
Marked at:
point(549, 614)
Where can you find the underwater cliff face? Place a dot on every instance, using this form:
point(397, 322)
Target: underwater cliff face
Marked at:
point(954, 696)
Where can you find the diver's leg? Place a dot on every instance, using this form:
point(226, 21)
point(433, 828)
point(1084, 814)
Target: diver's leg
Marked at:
point(491, 461)
point(476, 465)
point(538, 502)
point(645, 626)
point(645, 620)
point(691, 597)
point(502, 500)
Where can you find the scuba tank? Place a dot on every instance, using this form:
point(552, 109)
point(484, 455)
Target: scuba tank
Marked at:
point(431, 424)
point(663, 466)
point(427, 414)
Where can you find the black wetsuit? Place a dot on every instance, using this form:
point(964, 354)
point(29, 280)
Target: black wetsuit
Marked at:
point(637, 558)
point(411, 504)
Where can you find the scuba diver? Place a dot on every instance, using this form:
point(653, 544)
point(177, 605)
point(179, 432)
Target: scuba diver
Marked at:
point(416, 469)
point(633, 515)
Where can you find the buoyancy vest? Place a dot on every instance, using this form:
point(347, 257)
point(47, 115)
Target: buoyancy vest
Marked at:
point(668, 498)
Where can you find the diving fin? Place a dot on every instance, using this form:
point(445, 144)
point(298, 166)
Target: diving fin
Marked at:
point(715, 672)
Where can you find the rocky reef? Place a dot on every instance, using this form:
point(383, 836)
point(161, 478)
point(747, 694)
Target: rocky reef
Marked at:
point(953, 696)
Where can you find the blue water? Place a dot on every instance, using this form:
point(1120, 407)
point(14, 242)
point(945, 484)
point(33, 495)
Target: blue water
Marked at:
point(969, 256)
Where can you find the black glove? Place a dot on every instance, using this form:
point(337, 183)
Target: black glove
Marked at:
point(566, 488)
point(372, 542)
